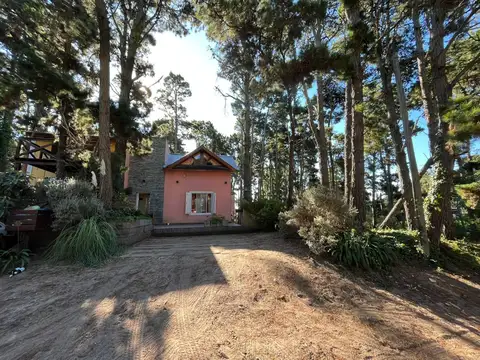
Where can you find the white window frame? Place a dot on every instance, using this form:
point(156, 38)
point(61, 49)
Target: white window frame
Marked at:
point(188, 203)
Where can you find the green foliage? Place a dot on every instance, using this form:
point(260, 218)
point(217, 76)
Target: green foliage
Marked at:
point(264, 211)
point(467, 228)
point(368, 251)
point(459, 254)
point(216, 219)
point(71, 211)
point(288, 231)
point(90, 242)
point(123, 210)
point(470, 193)
point(320, 215)
point(71, 201)
point(406, 242)
point(11, 259)
point(15, 192)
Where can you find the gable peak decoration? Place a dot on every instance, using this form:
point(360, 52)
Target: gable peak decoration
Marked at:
point(201, 158)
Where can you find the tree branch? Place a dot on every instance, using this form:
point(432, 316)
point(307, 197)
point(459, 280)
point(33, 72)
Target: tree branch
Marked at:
point(228, 95)
point(461, 29)
point(462, 72)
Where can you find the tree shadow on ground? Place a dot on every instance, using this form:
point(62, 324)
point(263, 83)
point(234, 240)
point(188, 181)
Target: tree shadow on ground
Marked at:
point(415, 300)
point(115, 311)
point(124, 309)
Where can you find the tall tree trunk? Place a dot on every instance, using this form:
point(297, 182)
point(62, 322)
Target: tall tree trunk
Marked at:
point(392, 119)
point(60, 172)
point(332, 163)
point(104, 100)
point(321, 132)
point(175, 125)
point(121, 132)
point(429, 107)
point(352, 12)
point(439, 198)
point(407, 133)
point(388, 177)
point(247, 136)
point(374, 189)
point(318, 131)
point(5, 138)
point(347, 153)
point(291, 150)
point(66, 114)
point(128, 49)
point(321, 119)
point(261, 173)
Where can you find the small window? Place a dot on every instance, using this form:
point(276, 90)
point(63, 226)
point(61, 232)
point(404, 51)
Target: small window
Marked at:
point(200, 203)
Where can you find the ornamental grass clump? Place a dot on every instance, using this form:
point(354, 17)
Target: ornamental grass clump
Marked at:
point(367, 251)
point(91, 243)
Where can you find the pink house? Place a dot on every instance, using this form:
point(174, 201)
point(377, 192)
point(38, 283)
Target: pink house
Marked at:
point(197, 185)
point(178, 189)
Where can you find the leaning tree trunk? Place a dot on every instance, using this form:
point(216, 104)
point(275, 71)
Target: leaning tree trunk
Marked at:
point(392, 119)
point(352, 12)
point(347, 153)
point(407, 132)
point(104, 100)
point(400, 201)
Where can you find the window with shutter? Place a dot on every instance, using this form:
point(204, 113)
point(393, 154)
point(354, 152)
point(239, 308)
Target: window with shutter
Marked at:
point(200, 203)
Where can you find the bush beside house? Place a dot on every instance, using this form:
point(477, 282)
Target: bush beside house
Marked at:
point(262, 213)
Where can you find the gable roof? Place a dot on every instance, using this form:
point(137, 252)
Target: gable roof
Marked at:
point(226, 160)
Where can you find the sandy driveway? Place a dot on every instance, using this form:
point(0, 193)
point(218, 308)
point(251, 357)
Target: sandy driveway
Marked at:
point(249, 296)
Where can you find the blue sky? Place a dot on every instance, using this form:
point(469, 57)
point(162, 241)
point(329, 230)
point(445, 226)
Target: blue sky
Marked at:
point(190, 56)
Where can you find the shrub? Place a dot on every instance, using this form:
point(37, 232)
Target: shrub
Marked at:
point(71, 211)
point(15, 192)
point(71, 201)
point(11, 259)
point(288, 231)
point(59, 189)
point(265, 212)
point(368, 251)
point(123, 210)
point(459, 254)
point(215, 219)
point(320, 215)
point(406, 242)
point(467, 228)
point(90, 242)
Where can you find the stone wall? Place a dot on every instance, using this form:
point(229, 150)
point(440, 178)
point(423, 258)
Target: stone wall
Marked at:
point(145, 175)
point(129, 233)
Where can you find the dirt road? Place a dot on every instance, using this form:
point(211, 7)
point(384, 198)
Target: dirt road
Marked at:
point(249, 296)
